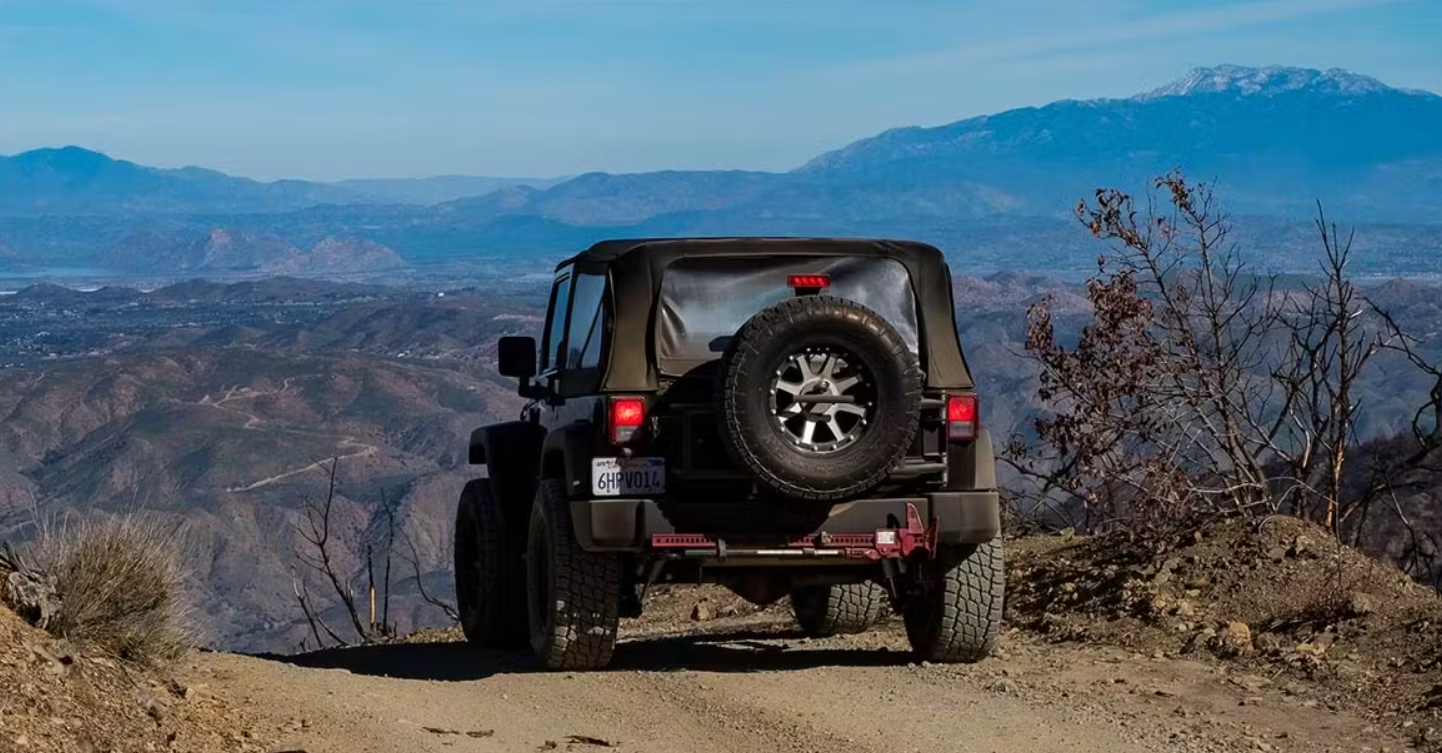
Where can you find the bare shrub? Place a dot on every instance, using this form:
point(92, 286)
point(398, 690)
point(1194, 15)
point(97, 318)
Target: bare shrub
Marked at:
point(121, 584)
point(1199, 388)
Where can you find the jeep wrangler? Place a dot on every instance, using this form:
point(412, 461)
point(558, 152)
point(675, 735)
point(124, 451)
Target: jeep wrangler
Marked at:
point(781, 416)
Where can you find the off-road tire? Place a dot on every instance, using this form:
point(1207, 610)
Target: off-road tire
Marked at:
point(573, 596)
point(748, 428)
point(824, 611)
point(489, 574)
point(956, 616)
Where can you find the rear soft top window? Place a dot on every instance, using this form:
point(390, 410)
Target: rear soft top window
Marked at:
point(704, 300)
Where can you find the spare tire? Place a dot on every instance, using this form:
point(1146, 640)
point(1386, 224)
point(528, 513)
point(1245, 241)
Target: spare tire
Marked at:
point(819, 398)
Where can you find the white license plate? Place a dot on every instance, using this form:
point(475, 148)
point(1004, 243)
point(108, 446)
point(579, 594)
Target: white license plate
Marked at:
point(619, 477)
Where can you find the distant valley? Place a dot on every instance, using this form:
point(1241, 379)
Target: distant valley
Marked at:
point(995, 192)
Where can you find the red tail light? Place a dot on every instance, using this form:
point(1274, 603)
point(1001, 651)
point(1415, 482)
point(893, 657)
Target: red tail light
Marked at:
point(811, 282)
point(627, 414)
point(961, 417)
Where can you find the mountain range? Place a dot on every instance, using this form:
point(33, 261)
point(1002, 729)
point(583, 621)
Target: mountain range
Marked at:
point(1276, 141)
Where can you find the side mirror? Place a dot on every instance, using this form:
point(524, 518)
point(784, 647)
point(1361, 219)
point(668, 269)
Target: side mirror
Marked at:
point(516, 357)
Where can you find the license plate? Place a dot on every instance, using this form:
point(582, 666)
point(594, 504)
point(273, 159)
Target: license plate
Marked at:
point(618, 477)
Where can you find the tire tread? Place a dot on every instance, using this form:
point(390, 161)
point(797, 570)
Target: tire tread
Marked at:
point(585, 613)
point(497, 617)
point(959, 619)
point(850, 608)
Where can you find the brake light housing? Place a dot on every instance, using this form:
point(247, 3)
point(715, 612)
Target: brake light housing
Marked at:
point(961, 418)
point(808, 283)
point(626, 416)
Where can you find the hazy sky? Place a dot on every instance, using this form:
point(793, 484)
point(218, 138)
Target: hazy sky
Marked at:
point(357, 88)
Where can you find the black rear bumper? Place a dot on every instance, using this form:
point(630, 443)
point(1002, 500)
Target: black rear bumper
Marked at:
point(627, 525)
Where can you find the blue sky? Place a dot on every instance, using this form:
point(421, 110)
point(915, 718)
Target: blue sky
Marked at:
point(327, 89)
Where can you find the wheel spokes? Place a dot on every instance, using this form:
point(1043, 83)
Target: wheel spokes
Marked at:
point(821, 373)
point(790, 388)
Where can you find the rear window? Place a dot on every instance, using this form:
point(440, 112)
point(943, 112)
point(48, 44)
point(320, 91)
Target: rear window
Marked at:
point(704, 300)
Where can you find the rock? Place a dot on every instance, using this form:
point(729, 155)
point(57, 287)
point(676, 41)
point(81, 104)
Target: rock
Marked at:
point(1197, 581)
point(1268, 643)
point(1233, 640)
point(1004, 686)
point(1360, 604)
point(1251, 682)
point(31, 594)
point(1184, 608)
point(1318, 645)
point(701, 612)
point(1298, 547)
point(1276, 554)
point(1199, 639)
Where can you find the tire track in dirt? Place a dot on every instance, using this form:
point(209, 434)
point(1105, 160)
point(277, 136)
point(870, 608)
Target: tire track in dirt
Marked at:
point(754, 683)
point(720, 694)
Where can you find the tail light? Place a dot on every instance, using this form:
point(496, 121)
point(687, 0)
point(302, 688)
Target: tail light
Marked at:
point(627, 414)
point(808, 282)
point(961, 417)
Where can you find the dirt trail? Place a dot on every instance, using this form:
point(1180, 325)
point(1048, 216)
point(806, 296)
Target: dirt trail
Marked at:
point(749, 684)
point(254, 422)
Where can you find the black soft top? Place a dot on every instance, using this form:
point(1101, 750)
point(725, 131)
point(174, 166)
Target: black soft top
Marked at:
point(635, 267)
point(610, 251)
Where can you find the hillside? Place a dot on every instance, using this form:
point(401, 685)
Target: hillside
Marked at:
point(60, 697)
point(222, 251)
point(213, 404)
point(228, 441)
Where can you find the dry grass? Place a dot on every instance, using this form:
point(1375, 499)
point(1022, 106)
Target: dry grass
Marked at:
point(121, 581)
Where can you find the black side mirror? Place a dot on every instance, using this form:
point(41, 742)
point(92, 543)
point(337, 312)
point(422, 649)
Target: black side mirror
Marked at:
point(516, 357)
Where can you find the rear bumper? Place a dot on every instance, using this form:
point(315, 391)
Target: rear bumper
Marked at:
point(629, 525)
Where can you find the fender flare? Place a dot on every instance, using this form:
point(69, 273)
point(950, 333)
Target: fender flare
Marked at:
point(511, 452)
point(566, 453)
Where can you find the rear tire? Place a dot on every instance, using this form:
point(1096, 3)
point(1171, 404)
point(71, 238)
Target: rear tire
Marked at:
point(573, 596)
point(824, 611)
point(490, 581)
point(955, 617)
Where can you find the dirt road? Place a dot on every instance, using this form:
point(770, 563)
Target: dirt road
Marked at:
point(750, 684)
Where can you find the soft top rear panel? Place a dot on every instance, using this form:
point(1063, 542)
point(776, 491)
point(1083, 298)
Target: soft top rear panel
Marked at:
point(636, 268)
point(703, 301)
